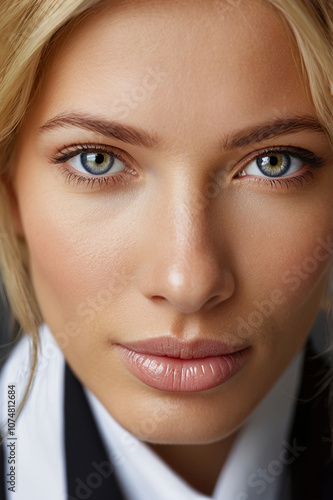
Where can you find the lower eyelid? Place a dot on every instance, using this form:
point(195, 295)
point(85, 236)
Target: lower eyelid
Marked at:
point(284, 182)
point(74, 177)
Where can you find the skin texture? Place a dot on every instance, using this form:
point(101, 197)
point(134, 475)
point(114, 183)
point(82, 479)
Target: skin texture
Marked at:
point(183, 246)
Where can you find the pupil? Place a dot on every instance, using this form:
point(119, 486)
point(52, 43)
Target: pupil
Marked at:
point(274, 165)
point(99, 158)
point(274, 161)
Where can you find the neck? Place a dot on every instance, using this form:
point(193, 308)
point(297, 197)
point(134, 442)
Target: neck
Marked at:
point(199, 465)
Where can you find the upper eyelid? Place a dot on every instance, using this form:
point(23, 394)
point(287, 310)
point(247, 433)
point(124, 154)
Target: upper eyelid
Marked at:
point(270, 152)
point(291, 150)
point(76, 149)
point(82, 147)
point(296, 152)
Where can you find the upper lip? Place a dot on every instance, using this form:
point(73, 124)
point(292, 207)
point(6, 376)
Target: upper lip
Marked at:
point(176, 348)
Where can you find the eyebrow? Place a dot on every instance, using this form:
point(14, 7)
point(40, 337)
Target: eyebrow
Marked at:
point(269, 130)
point(108, 128)
point(128, 134)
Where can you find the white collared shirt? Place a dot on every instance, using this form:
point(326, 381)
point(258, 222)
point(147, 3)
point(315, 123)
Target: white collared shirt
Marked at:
point(254, 468)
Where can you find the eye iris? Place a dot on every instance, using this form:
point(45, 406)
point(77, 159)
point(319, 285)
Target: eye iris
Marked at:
point(97, 163)
point(274, 165)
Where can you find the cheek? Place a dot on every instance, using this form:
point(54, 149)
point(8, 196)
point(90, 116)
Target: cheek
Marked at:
point(77, 248)
point(287, 250)
point(285, 238)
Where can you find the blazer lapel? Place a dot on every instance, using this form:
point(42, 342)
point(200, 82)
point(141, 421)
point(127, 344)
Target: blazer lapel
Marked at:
point(90, 474)
point(311, 473)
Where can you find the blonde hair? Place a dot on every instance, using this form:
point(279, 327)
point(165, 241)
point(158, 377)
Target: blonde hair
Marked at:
point(29, 28)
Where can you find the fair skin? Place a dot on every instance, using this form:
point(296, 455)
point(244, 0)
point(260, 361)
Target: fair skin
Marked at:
point(169, 250)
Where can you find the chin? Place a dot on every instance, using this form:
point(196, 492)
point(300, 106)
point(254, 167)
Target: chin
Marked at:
point(184, 431)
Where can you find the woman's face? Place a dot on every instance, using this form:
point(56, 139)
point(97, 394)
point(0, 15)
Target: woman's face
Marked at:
point(215, 225)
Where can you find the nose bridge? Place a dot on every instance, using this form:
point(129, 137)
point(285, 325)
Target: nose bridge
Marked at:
point(186, 219)
point(186, 267)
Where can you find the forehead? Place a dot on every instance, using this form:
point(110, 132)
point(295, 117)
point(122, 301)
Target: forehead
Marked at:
point(203, 62)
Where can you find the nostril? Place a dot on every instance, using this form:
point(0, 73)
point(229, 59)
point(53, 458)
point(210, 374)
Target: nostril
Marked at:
point(158, 298)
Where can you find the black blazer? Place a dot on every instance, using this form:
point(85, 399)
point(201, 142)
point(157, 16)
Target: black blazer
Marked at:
point(309, 471)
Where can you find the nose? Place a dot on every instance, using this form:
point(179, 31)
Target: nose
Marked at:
point(187, 264)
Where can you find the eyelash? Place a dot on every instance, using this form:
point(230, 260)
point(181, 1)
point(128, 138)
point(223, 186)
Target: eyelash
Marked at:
point(64, 155)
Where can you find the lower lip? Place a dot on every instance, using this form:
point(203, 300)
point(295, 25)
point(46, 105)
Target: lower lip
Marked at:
point(182, 375)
